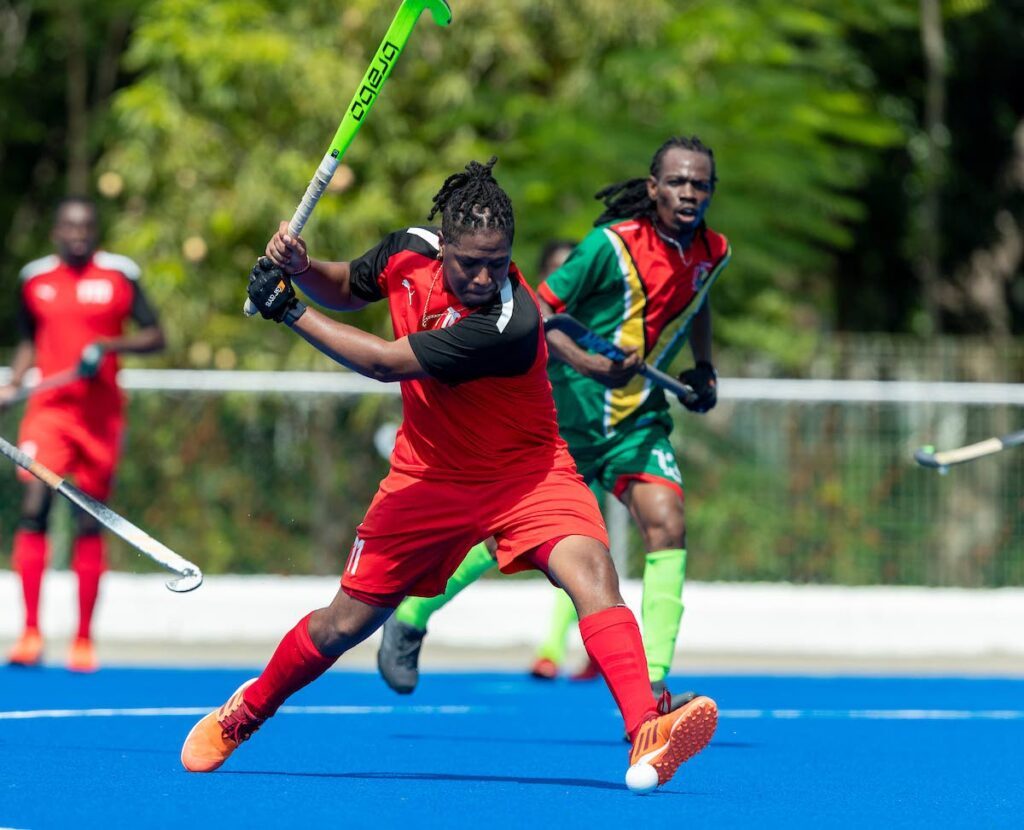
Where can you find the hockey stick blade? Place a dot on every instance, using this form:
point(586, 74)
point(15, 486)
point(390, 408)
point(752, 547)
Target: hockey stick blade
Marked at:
point(376, 75)
point(587, 339)
point(188, 578)
point(928, 457)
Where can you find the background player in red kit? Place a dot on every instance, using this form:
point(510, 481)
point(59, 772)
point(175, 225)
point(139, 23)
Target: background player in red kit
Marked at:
point(478, 455)
point(73, 309)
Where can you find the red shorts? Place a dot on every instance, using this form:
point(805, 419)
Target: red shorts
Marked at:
point(59, 439)
point(417, 531)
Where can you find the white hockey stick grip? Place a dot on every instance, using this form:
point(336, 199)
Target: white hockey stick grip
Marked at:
point(317, 186)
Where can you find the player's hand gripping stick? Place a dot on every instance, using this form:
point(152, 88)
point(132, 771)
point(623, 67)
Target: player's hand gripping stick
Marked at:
point(376, 74)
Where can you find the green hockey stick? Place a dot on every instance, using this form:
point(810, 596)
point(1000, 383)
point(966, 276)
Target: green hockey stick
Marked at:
point(376, 74)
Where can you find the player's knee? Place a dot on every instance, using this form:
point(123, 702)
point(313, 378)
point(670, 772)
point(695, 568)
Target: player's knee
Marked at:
point(86, 525)
point(666, 529)
point(336, 629)
point(664, 537)
point(36, 523)
point(35, 509)
point(598, 569)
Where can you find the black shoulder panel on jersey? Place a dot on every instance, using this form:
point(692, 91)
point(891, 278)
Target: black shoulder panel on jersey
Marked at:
point(24, 320)
point(365, 271)
point(142, 311)
point(497, 341)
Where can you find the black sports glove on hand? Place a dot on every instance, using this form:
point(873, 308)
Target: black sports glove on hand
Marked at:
point(270, 290)
point(89, 362)
point(703, 379)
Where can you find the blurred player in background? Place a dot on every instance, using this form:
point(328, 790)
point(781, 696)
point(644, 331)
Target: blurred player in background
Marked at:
point(641, 280)
point(478, 455)
point(73, 308)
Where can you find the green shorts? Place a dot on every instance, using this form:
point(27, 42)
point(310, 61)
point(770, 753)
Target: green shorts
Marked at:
point(643, 454)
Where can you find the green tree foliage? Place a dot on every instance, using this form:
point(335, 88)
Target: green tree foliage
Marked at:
point(60, 62)
point(234, 103)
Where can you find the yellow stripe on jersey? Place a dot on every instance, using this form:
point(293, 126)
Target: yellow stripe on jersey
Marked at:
point(620, 403)
point(675, 333)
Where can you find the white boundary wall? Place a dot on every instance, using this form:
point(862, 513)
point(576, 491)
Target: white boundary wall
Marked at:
point(722, 619)
point(342, 382)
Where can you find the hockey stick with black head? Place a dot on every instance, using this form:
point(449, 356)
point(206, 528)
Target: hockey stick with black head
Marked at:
point(942, 461)
point(376, 74)
point(189, 577)
point(587, 339)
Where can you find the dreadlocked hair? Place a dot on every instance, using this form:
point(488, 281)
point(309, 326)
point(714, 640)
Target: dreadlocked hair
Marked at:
point(473, 200)
point(629, 199)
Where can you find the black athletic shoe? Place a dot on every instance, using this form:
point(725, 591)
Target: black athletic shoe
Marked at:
point(668, 702)
point(399, 655)
point(673, 702)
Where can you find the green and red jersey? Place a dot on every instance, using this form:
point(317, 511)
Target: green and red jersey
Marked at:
point(637, 287)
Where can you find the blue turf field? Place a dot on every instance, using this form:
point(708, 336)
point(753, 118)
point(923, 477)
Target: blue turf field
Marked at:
point(500, 750)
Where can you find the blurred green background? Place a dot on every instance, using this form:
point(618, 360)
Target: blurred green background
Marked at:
point(871, 166)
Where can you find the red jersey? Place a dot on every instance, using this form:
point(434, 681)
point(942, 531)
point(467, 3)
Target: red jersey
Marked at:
point(486, 411)
point(64, 309)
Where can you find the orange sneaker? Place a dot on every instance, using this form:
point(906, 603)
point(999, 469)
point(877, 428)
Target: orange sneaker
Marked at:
point(544, 669)
point(28, 651)
point(82, 657)
point(216, 736)
point(667, 742)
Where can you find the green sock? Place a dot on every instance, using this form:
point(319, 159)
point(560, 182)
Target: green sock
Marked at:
point(662, 608)
point(563, 617)
point(416, 611)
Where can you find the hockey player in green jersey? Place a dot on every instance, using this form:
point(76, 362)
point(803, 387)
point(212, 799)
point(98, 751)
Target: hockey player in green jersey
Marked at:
point(641, 280)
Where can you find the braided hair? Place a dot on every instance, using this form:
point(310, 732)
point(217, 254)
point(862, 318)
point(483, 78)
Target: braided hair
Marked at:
point(473, 200)
point(629, 199)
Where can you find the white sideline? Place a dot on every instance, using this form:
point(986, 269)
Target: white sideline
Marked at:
point(721, 619)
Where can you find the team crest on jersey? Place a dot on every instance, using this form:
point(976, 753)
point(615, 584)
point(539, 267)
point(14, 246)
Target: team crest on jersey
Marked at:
point(700, 274)
point(94, 292)
point(46, 293)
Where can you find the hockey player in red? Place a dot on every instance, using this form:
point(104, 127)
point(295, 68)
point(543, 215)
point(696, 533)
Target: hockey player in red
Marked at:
point(73, 308)
point(478, 454)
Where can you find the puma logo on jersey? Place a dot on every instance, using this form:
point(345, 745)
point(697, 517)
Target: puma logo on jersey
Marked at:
point(410, 289)
point(94, 292)
point(451, 317)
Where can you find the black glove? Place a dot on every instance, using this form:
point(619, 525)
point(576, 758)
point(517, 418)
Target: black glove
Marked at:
point(270, 290)
point(703, 379)
point(89, 362)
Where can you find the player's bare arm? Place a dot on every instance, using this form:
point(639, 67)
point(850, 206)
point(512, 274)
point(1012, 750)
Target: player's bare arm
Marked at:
point(610, 373)
point(144, 341)
point(367, 354)
point(326, 283)
point(700, 334)
point(24, 357)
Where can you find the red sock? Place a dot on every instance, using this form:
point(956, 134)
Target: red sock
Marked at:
point(296, 663)
point(30, 557)
point(88, 561)
point(612, 639)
